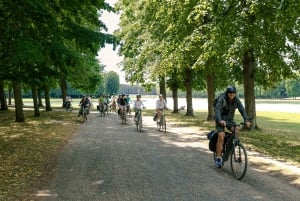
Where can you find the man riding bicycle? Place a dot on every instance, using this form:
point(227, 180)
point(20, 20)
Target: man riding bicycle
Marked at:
point(224, 111)
point(160, 106)
point(122, 104)
point(84, 104)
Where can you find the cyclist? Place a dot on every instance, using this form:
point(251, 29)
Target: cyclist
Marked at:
point(106, 103)
point(160, 106)
point(224, 111)
point(122, 104)
point(68, 101)
point(101, 103)
point(114, 103)
point(85, 103)
point(128, 110)
point(138, 104)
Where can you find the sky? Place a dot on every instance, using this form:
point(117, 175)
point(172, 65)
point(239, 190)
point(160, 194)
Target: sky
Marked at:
point(107, 56)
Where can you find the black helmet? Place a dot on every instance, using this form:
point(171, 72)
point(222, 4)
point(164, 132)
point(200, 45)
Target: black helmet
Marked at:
point(231, 89)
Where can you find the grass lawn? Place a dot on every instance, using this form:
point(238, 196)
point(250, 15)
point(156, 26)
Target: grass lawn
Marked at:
point(28, 150)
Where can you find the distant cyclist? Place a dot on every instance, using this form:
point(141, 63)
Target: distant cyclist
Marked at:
point(138, 104)
point(122, 104)
point(84, 104)
point(160, 106)
point(224, 110)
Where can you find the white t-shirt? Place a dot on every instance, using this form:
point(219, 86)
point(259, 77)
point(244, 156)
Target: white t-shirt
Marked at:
point(138, 104)
point(161, 104)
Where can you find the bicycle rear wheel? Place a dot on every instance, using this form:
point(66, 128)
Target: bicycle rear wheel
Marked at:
point(238, 161)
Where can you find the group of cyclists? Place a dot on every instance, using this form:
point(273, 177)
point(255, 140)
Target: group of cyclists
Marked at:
point(224, 110)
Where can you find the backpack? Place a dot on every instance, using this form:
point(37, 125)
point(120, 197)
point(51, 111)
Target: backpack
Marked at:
point(212, 136)
point(216, 100)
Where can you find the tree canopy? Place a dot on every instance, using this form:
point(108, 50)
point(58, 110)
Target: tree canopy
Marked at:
point(44, 42)
point(211, 43)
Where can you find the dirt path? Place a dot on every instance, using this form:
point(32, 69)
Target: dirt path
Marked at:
point(106, 160)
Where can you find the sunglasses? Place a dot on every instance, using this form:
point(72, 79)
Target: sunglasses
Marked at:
point(231, 92)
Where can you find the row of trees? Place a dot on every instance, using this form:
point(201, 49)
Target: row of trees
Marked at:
point(48, 43)
point(208, 44)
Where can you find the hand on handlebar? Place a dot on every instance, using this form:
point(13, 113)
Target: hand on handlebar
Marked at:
point(222, 123)
point(248, 124)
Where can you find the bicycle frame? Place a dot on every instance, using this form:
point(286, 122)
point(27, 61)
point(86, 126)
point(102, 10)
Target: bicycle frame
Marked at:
point(84, 113)
point(123, 114)
point(234, 150)
point(162, 125)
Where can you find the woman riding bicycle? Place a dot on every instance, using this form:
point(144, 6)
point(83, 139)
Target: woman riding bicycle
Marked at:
point(138, 104)
point(224, 111)
point(160, 106)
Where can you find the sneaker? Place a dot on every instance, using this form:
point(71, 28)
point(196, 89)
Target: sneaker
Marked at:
point(219, 162)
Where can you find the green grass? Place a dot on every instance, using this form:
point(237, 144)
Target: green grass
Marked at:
point(27, 150)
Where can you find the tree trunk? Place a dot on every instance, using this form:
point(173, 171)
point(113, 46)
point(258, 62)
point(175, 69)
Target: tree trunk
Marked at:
point(35, 101)
point(63, 85)
point(189, 93)
point(40, 97)
point(175, 99)
point(3, 97)
point(9, 94)
point(249, 76)
point(162, 87)
point(211, 88)
point(18, 102)
point(47, 99)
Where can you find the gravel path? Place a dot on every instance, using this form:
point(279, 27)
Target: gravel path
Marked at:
point(106, 161)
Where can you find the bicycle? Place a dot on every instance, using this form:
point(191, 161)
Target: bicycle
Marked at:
point(68, 106)
point(123, 115)
point(83, 113)
point(162, 123)
point(101, 109)
point(139, 120)
point(234, 150)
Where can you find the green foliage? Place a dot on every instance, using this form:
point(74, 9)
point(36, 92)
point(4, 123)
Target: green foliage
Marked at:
point(112, 83)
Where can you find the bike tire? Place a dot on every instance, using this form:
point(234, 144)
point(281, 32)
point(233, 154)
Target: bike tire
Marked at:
point(124, 118)
point(238, 161)
point(164, 124)
point(139, 124)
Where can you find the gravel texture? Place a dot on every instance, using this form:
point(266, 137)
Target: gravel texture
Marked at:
point(106, 161)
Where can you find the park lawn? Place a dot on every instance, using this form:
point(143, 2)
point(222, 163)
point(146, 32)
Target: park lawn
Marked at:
point(28, 150)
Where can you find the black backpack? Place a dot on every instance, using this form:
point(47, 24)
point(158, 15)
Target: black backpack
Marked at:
point(216, 100)
point(212, 136)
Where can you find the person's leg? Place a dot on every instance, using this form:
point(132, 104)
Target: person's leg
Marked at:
point(219, 145)
point(220, 142)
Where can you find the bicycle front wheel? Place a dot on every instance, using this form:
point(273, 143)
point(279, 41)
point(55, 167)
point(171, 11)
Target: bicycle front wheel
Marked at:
point(139, 124)
point(238, 161)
